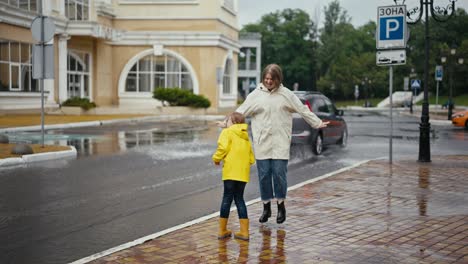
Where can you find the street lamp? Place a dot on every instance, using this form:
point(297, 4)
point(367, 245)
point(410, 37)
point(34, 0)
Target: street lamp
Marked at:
point(439, 14)
point(444, 59)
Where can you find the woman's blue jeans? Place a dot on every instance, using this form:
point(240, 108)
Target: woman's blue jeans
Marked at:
point(272, 178)
point(233, 190)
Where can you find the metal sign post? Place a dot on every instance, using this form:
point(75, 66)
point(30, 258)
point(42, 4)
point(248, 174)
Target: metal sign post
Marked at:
point(391, 38)
point(43, 30)
point(390, 91)
point(438, 77)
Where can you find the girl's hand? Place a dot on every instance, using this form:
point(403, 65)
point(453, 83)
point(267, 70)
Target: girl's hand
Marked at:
point(216, 163)
point(221, 124)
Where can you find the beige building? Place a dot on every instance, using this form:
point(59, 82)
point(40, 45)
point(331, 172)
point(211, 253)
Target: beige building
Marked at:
point(115, 52)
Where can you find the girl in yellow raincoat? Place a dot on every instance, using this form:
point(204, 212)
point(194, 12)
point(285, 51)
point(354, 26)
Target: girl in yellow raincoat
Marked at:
point(235, 150)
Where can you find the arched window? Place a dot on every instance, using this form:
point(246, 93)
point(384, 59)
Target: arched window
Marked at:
point(227, 77)
point(164, 71)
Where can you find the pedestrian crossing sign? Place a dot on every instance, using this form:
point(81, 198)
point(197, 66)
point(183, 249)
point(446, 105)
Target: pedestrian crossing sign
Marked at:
point(415, 83)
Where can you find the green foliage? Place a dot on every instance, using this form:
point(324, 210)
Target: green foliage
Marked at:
point(461, 100)
point(81, 102)
point(181, 97)
point(288, 39)
point(360, 102)
point(342, 56)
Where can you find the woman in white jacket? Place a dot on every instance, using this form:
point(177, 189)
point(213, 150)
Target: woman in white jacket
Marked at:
point(270, 107)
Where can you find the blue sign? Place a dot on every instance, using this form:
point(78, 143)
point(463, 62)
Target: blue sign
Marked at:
point(439, 72)
point(415, 84)
point(391, 28)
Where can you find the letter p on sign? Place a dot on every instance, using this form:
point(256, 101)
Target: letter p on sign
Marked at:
point(391, 28)
point(392, 25)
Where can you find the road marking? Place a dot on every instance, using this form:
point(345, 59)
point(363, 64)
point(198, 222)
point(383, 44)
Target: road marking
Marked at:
point(203, 218)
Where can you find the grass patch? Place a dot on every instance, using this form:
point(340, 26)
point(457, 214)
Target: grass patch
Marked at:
point(360, 102)
point(5, 149)
point(458, 100)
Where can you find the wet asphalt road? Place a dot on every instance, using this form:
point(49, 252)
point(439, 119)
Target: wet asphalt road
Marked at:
point(133, 180)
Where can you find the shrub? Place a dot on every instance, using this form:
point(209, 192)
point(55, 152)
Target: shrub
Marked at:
point(81, 102)
point(181, 97)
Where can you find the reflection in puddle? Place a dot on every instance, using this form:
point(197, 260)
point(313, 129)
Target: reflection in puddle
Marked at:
point(171, 143)
point(423, 183)
point(84, 144)
point(269, 253)
point(224, 254)
point(460, 135)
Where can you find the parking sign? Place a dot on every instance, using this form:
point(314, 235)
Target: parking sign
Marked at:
point(391, 27)
point(439, 72)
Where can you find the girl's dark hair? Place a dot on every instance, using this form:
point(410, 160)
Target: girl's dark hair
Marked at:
point(276, 73)
point(237, 118)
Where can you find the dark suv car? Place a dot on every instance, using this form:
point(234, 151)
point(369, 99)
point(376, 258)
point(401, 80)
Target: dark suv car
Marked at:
point(335, 133)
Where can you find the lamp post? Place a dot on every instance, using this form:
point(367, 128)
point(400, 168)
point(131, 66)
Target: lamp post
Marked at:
point(444, 59)
point(439, 14)
point(412, 75)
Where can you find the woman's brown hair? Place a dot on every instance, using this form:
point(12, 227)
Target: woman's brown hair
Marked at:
point(276, 73)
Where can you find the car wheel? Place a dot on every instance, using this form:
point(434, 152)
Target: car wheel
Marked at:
point(466, 124)
point(343, 142)
point(317, 145)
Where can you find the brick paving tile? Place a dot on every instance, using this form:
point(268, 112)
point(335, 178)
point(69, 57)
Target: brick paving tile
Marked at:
point(409, 212)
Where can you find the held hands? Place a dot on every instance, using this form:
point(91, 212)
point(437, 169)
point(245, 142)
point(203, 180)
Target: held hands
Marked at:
point(324, 124)
point(221, 124)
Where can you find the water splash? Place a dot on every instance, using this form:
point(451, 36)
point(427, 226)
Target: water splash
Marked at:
point(177, 150)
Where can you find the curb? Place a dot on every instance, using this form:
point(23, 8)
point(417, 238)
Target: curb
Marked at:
point(436, 122)
point(112, 121)
point(203, 218)
point(39, 157)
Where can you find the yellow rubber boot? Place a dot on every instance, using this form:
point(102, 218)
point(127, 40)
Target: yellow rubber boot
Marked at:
point(223, 231)
point(243, 234)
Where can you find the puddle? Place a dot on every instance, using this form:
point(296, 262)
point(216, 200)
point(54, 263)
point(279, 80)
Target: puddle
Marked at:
point(172, 140)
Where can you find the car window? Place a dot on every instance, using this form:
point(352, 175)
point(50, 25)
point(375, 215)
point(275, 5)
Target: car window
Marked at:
point(320, 106)
point(330, 106)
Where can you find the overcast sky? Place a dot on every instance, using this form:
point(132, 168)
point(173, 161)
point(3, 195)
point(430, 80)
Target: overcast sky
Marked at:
point(360, 11)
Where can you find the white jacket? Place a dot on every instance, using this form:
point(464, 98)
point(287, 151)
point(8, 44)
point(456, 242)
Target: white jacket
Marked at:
point(271, 114)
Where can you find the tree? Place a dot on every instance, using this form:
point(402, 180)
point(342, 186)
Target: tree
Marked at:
point(346, 55)
point(288, 40)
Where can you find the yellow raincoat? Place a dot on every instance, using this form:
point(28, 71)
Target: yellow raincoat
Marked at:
point(235, 150)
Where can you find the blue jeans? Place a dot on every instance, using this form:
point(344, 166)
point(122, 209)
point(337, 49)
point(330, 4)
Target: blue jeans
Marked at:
point(233, 190)
point(272, 177)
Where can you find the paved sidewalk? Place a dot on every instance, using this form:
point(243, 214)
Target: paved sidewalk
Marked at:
point(409, 212)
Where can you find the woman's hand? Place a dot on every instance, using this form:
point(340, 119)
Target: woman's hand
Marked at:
point(324, 124)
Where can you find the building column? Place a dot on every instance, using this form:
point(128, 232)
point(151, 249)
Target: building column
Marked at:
point(259, 63)
point(46, 7)
point(62, 66)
